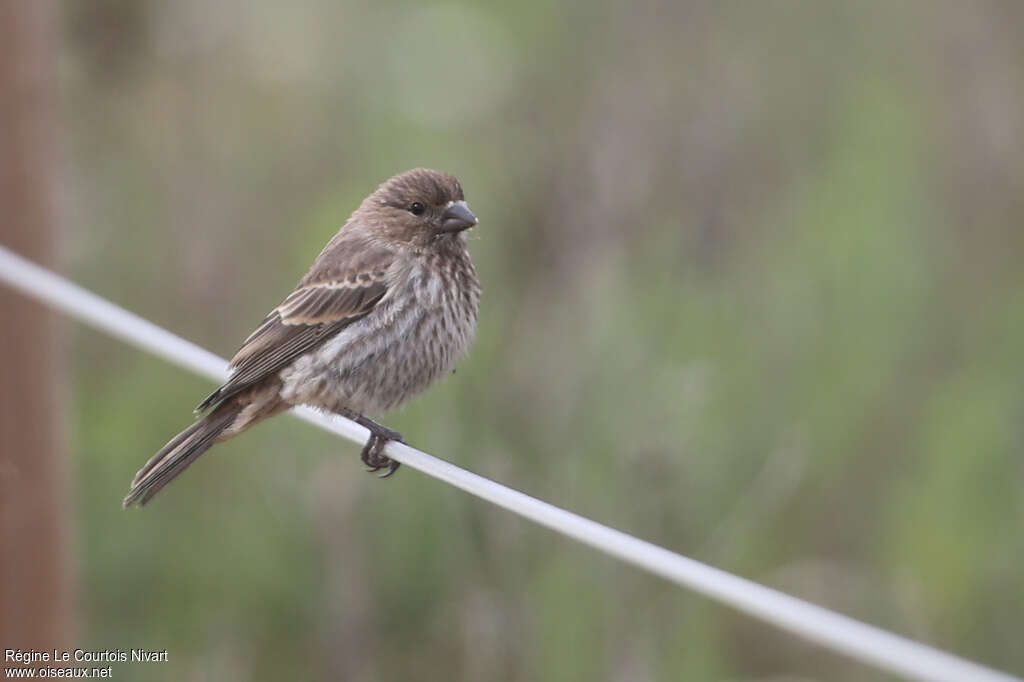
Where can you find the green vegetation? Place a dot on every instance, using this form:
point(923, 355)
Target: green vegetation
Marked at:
point(753, 291)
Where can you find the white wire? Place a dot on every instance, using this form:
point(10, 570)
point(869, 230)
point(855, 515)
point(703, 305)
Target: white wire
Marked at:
point(863, 642)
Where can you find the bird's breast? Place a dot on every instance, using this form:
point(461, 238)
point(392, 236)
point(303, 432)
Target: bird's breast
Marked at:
point(413, 337)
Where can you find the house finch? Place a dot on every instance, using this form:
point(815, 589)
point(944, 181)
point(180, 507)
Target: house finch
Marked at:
point(387, 308)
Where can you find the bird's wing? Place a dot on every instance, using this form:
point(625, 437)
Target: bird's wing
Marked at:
point(341, 287)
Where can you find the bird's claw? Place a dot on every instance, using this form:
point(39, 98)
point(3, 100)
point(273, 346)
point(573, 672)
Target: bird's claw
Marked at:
point(373, 456)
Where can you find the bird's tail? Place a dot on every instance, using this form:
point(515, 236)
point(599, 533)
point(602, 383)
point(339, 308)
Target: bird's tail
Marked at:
point(179, 453)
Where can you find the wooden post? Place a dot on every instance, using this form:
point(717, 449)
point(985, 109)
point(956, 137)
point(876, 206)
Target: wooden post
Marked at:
point(34, 575)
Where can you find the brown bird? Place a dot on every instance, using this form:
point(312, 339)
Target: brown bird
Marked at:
point(387, 308)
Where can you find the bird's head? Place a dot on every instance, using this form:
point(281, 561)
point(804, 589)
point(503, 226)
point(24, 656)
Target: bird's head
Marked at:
point(420, 207)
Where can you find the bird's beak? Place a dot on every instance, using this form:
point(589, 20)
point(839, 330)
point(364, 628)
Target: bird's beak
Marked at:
point(457, 218)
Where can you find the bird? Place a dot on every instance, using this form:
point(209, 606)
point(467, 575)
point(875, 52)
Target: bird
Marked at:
point(387, 308)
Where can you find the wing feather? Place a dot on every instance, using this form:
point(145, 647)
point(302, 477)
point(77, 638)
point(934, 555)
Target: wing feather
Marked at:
point(325, 302)
point(316, 311)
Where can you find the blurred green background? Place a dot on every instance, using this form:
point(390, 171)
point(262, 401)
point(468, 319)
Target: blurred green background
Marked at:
point(753, 291)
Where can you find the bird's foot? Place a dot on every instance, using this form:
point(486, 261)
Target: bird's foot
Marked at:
point(372, 454)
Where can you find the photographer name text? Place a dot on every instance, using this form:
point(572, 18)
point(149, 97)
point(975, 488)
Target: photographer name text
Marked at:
point(32, 656)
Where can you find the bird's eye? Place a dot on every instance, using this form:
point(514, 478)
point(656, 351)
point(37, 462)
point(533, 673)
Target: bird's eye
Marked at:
point(417, 208)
